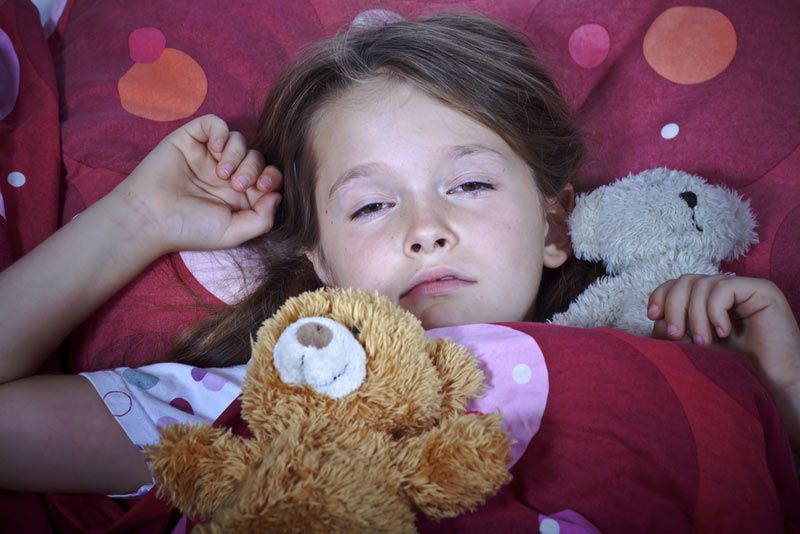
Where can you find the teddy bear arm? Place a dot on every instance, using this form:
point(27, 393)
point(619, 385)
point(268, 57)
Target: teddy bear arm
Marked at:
point(598, 305)
point(458, 370)
point(457, 465)
point(197, 467)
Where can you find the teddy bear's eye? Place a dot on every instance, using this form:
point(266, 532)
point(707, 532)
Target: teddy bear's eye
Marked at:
point(356, 332)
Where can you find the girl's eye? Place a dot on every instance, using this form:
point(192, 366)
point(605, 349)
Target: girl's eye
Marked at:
point(472, 187)
point(369, 209)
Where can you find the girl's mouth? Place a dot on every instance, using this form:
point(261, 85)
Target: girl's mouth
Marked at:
point(435, 288)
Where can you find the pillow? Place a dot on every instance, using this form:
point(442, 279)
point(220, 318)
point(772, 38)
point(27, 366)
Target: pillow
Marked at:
point(654, 84)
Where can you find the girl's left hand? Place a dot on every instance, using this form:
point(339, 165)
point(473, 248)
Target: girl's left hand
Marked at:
point(746, 315)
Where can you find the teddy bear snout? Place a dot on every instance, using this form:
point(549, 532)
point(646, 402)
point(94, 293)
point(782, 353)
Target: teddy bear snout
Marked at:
point(314, 335)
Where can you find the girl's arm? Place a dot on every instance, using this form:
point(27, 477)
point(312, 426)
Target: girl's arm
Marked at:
point(184, 195)
point(746, 315)
point(56, 434)
point(55, 431)
point(48, 292)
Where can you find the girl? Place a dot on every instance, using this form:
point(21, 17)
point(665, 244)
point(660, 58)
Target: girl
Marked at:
point(431, 161)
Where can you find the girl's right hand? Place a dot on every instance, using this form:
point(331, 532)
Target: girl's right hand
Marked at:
point(201, 189)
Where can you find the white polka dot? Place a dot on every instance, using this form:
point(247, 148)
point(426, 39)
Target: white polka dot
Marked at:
point(549, 526)
point(17, 179)
point(670, 130)
point(521, 373)
point(2, 207)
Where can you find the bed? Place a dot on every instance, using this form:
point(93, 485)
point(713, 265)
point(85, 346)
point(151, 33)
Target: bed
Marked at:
point(87, 88)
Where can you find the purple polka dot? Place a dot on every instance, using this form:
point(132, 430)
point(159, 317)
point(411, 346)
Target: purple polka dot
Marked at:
point(9, 75)
point(213, 382)
point(166, 420)
point(182, 404)
point(589, 45)
point(146, 44)
point(198, 373)
point(118, 402)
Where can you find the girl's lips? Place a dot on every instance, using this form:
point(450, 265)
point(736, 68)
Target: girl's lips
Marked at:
point(434, 288)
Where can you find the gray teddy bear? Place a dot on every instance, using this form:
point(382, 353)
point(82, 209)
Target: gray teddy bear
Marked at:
point(646, 229)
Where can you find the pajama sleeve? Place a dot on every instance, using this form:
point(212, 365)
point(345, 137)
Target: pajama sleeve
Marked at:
point(145, 399)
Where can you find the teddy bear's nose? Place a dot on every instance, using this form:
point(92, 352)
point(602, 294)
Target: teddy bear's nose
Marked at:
point(690, 198)
point(314, 335)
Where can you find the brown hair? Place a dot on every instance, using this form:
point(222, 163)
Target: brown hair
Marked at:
point(467, 62)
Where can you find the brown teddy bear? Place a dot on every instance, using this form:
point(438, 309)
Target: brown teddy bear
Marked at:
point(357, 422)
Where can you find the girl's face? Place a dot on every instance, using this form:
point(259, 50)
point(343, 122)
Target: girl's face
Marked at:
point(423, 204)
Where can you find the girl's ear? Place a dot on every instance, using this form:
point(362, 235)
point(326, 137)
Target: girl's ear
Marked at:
point(317, 259)
point(557, 244)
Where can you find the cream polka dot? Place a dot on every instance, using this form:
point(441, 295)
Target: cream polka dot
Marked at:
point(669, 131)
point(521, 373)
point(549, 526)
point(17, 179)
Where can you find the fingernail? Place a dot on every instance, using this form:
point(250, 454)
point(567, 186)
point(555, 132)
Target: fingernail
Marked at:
point(241, 181)
point(673, 330)
point(219, 143)
point(265, 182)
point(226, 168)
point(652, 310)
point(720, 331)
point(698, 339)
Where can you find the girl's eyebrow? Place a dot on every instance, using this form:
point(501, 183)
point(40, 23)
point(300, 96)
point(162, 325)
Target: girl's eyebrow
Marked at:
point(452, 153)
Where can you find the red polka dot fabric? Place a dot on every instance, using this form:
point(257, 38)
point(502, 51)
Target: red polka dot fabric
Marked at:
point(708, 89)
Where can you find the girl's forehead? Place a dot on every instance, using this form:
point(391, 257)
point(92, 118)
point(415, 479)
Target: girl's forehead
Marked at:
point(392, 121)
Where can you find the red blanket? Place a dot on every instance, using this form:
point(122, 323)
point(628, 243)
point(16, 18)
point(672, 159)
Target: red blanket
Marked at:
point(638, 435)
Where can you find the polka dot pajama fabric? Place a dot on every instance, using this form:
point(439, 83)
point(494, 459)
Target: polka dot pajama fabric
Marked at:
point(148, 398)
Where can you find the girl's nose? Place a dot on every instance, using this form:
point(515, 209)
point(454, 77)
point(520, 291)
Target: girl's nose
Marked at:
point(441, 243)
point(428, 233)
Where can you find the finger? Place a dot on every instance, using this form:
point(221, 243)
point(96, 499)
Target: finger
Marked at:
point(247, 224)
point(676, 305)
point(720, 303)
point(660, 332)
point(699, 321)
point(250, 169)
point(655, 304)
point(208, 130)
point(232, 155)
point(271, 179)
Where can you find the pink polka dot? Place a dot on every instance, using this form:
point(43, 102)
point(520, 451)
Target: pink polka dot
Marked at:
point(119, 403)
point(9, 75)
point(146, 44)
point(165, 421)
point(211, 381)
point(589, 45)
point(182, 404)
point(516, 376)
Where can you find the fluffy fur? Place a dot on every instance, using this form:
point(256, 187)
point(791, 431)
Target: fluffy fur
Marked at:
point(646, 229)
point(366, 461)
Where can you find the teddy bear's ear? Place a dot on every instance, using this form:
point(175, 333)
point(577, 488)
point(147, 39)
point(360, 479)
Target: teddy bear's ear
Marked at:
point(461, 378)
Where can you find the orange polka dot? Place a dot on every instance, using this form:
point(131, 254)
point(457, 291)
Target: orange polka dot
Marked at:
point(689, 45)
point(172, 87)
